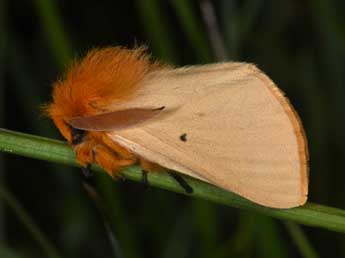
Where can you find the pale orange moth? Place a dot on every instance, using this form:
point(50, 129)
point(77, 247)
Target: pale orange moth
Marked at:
point(225, 123)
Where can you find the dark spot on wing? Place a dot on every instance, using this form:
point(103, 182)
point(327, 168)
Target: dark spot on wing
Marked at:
point(183, 137)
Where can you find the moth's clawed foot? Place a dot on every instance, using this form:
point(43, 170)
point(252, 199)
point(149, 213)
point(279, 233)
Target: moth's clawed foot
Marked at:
point(87, 176)
point(183, 183)
point(144, 178)
point(86, 172)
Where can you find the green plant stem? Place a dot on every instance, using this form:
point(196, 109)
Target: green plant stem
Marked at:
point(192, 27)
point(158, 30)
point(3, 64)
point(300, 239)
point(55, 30)
point(40, 238)
point(56, 151)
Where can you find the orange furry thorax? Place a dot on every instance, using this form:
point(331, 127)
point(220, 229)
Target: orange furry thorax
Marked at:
point(104, 76)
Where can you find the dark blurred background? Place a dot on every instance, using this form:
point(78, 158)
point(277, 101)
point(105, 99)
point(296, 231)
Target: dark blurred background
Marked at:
point(299, 44)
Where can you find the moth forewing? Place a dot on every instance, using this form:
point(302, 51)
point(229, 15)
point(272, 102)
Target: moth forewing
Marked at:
point(243, 135)
point(153, 156)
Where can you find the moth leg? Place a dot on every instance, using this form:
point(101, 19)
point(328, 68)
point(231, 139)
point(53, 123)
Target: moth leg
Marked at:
point(83, 152)
point(179, 179)
point(110, 161)
point(121, 151)
point(84, 157)
point(149, 166)
point(144, 179)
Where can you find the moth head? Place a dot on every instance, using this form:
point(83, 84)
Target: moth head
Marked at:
point(103, 77)
point(64, 107)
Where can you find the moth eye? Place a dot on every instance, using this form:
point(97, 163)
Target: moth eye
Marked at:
point(77, 135)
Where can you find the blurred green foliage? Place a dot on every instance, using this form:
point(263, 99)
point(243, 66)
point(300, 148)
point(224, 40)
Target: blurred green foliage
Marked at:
point(299, 44)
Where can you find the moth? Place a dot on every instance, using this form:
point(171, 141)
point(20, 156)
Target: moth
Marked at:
point(225, 123)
